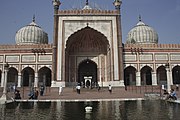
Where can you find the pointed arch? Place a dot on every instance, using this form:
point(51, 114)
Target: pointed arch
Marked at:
point(176, 74)
point(28, 77)
point(146, 75)
point(87, 40)
point(44, 75)
point(161, 75)
point(87, 68)
point(12, 76)
point(130, 76)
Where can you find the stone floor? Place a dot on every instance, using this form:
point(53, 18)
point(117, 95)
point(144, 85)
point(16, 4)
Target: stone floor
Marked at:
point(70, 93)
point(89, 94)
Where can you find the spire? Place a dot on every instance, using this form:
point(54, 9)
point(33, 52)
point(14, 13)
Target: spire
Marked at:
point(140, 18)
point(87, 6)
point(33, 18)
point(87, 2)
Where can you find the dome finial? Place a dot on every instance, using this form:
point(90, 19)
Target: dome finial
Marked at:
point(87, 2)
point(117, 4)
point(33, 18)
point(140, 18)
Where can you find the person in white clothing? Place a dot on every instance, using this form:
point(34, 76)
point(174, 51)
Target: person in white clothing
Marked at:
point(60, 90)
point(110, 89)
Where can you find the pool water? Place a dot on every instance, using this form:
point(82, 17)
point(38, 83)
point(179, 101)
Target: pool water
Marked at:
point(102, 110)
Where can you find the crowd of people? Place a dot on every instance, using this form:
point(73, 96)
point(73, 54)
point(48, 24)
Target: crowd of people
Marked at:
point(32, 95)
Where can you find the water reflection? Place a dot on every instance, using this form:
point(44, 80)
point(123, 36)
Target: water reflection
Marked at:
point(102, 110)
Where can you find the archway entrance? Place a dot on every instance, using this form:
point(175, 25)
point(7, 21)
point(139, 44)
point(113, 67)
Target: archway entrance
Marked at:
point(85, 48)
point(176, 75)
point(146, 75)
point(12, 77)
point(28, 77)
point(130, 76)
point(87, 73)
point(44, 76)
point(161, 75)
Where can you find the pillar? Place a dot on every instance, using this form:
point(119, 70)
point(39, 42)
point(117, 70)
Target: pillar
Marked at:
point(19, 80)
point(36, 80)
point(138, 79)
point(2, 79)
point(154, 78)
point(168, 79)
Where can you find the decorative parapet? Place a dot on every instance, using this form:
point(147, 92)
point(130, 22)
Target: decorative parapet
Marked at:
point(88, 12)
point(141, 48)
point(25, 47)
point(152, 46)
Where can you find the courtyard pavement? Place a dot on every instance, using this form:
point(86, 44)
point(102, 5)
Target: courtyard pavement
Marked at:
point(70, 94)
point(85, 94)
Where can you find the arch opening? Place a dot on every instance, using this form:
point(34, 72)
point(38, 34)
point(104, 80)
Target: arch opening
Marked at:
point(87, 40)
point(146, 75)
point(44, 76)
point(176, 75)
point(161, 75)
point(28, 77)
point(87, 73)
point(86, 43)
point(130, 76)
point(12, 77)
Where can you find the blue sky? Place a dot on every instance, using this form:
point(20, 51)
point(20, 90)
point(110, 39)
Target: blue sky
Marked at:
point(162, 15)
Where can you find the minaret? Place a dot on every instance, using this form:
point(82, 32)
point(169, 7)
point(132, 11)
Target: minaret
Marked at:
point(117, 4)
point(56, 4)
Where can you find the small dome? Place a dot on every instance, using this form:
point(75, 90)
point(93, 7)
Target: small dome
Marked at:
point(142, 34)
point(31, 34)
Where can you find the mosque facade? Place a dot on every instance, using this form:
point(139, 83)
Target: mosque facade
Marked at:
point(87, 49)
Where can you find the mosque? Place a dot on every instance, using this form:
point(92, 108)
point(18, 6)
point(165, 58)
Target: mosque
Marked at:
point(87, 48)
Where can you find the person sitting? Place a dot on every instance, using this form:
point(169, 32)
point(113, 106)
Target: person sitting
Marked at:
point(31, 95)
point(36, 94)
point(172, 95)
point(17, 94)
point(166, 94)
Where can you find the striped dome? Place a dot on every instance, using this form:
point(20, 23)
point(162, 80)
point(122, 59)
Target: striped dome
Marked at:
point(31, 34)
point(142, 34)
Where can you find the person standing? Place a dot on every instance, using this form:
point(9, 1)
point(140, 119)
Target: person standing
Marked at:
point(110, 89)
point(78, 89)
point(41, 90)
point(60, 90)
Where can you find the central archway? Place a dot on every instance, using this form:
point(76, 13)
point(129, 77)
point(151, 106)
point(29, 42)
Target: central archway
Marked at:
point(87, 69)
point(86, 45)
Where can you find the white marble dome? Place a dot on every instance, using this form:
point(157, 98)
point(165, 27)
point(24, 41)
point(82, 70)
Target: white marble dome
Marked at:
point(142, 34)
point(31, 34)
